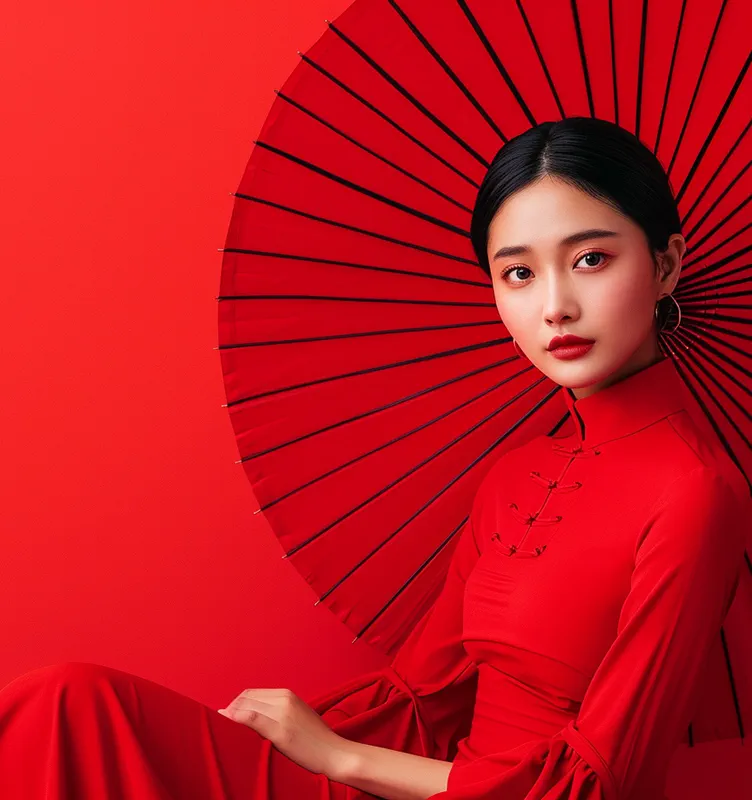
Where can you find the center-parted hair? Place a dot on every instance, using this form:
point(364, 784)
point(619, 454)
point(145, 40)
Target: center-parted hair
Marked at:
point(594, 155)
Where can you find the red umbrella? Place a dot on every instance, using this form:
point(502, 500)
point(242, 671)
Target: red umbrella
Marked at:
point(369, 379)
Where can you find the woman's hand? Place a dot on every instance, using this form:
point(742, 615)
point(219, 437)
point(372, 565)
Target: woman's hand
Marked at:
point(292, 726)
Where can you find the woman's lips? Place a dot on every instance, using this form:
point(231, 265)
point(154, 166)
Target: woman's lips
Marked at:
point(567, 352)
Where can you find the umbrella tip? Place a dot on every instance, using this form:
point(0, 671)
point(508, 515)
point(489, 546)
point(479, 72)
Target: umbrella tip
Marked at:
point(317, 602)
point(354, 640)
point(298, 52)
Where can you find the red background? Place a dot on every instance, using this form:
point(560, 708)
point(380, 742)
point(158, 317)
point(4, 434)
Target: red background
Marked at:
point(128, 537)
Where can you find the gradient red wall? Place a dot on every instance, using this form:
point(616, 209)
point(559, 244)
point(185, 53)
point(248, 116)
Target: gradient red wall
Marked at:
point(127, 529)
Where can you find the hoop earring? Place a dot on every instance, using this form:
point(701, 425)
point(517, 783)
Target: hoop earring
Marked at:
point(519, 352)
point(662, 328)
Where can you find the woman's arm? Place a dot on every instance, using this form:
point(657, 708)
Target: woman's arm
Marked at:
point(391, 774)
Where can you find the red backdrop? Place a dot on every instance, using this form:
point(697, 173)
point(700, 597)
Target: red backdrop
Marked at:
point(127, 530)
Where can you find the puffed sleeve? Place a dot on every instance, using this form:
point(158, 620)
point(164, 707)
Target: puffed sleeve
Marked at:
point(642, 696)
point(422, 702)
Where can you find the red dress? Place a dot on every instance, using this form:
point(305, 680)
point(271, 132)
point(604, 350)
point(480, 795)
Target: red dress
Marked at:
point(564, 657)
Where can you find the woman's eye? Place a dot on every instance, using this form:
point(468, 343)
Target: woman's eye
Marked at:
point(590, 259)
point(593, 254)
point(514, 269)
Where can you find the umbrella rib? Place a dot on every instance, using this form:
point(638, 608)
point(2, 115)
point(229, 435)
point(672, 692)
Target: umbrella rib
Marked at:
point(381, 544)
point(716, 297)
point(429, 559)
point(356, 265)
point(694, 290)
point(493, 55)
point(583, 58)
point(695, 326)
point(365, 415)
point(371, 412)
point(696, 91)
point(700, 258)
point(449, 71)
point(345, 299)
point(410, 97)
point(407, 474)
point(703, 345)
point(732, 683)
point(719, 432)
point(413, 577)
point(359, 334)
point(538, 51)
point(356, 187)
point(670, 76)
point(728, 155)
point(371, 107)
point(702, 152)
point(641, 66)
point(713, 206)
point(717, 124)
point(380, 367)
point(693, 283)
point(373, 153)
point(723, 317)
point(725, 391)
point(356, 229)
point(614, 82)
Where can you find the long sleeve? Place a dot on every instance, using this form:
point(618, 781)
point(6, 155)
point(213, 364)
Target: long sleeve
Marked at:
point(642, 696)
point(422, 702)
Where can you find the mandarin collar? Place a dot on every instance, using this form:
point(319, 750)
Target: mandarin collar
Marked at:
point(627, 406)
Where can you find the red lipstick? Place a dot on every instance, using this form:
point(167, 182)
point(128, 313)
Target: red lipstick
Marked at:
point(569, 346)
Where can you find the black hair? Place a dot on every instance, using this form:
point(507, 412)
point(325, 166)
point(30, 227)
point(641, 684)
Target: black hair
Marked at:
point(594, 155)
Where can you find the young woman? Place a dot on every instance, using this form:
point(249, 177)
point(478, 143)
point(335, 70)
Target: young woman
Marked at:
point(564, 657)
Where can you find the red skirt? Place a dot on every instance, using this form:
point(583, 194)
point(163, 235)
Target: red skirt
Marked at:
point(80, 731)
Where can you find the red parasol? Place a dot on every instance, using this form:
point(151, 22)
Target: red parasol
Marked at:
point(370, 381)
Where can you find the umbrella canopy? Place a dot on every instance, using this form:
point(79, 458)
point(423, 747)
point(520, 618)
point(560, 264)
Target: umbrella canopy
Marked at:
point(369, 379)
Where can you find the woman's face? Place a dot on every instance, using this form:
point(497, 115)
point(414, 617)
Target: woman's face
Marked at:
point(602, 287)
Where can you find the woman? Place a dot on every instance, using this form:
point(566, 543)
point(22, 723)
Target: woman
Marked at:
point(565, 655)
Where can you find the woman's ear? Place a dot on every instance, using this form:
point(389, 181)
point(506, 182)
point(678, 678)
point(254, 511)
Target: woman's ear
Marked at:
point(670, 261)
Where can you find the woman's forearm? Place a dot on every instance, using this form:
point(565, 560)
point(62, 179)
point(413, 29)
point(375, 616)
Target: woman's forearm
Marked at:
point(391, 774)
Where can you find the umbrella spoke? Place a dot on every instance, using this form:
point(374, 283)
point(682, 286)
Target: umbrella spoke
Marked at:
point(371, 152)
point(363, 190)
point(372, 412)
point(356, 229)
point(694, 96)
point(732, 682)
point(670, 73)
point(702, 288)
point(355, 265)
point(726, 445)
point(699, 344)
point(394, 365)
point(480, 33)
point(426, 562)
point(693, 357)
point(693, 326)
point(371, 107)
point(693, 283)
point(716, 173)
point(447, 486)
point(449, 71)
point(701, 258)
point(718, 121)
point(384, 445)
point(409, 96)
point(356, 335)
point(433, 555)
point(728, 216)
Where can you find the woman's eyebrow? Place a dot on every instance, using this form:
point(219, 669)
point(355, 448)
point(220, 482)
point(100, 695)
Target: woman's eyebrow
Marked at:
point(573, 238)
